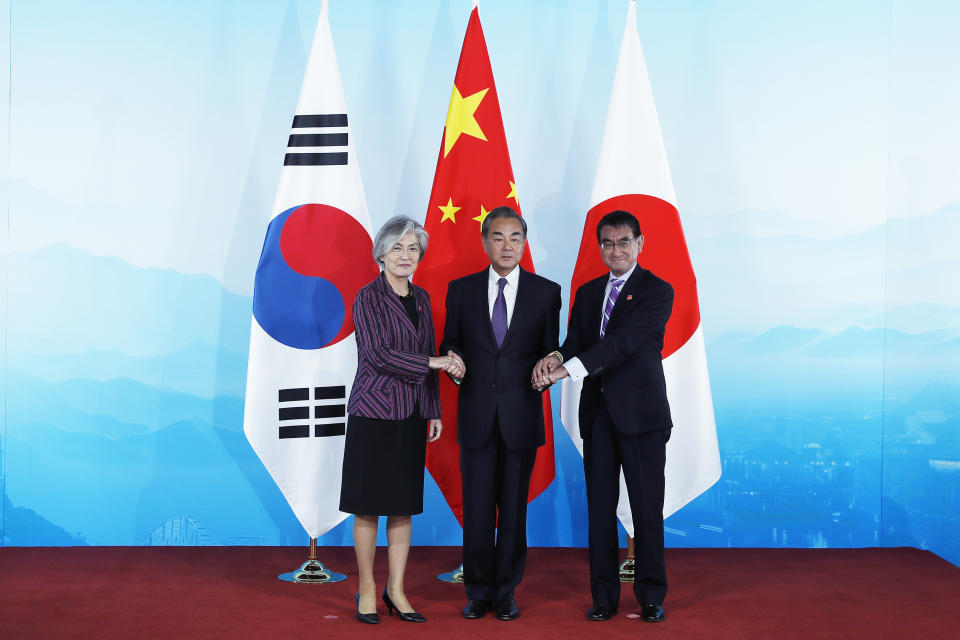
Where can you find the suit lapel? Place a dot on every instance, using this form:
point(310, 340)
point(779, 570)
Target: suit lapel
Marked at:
point(594, 305)
point(627, 297)
point(421, 307)
point(520, 305)
point(394, 304)
point(483, 308)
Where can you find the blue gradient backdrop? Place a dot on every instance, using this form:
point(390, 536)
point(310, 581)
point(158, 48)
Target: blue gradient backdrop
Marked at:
point(813, 147)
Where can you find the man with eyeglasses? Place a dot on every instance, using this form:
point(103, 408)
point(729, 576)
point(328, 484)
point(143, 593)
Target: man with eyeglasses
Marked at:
point(500, 321)
point(614, 343)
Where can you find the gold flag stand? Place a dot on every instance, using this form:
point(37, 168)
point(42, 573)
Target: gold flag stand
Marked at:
point(626, 569)
point(312, 571)
point(627, 566)
point(452, 576)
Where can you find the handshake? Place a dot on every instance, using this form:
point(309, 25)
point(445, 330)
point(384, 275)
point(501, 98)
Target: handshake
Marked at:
point(451, 363)
point(548, 371)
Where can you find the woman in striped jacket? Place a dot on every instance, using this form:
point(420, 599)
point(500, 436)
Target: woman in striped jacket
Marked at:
point(394, 410)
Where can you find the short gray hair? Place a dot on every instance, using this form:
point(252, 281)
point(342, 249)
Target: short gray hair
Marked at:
point(394, 229)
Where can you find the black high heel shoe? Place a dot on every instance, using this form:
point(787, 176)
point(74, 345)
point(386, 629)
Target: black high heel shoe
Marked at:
point(413, 616)
point(366, 618)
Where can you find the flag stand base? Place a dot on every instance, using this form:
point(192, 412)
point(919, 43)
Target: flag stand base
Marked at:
point(455, 576)
point(312, 571)
point(627, 566)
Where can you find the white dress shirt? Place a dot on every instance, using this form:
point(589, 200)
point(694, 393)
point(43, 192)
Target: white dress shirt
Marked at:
point(509, 290)
point(573, 366)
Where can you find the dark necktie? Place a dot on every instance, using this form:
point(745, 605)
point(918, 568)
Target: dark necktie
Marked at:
point(499, 318)
point(611, 300)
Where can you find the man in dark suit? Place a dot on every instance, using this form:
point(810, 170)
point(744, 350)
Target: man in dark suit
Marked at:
point(614, 345)
point(500, 321)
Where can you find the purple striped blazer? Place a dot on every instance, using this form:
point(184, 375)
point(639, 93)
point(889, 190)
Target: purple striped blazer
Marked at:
point(392, 357)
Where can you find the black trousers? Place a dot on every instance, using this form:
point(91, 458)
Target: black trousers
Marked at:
point(642, 458)
point(496, 480)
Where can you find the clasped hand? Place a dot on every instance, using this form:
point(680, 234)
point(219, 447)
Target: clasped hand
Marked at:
point(451, 363)
point(546, 372)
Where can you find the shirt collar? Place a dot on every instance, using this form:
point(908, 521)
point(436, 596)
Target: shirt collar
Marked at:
point(512, 278)
point(624, 277)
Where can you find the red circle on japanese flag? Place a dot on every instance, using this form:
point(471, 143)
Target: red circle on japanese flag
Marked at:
point(664, 253)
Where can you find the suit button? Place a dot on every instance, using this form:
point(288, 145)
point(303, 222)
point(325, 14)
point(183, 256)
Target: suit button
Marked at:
point(493, 386)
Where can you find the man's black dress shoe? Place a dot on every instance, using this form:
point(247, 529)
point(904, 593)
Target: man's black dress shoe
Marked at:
point(652, 613)
point(601, 612)
point(476, 609)
point(413, 616)
point(507, 608)
point(366, 618)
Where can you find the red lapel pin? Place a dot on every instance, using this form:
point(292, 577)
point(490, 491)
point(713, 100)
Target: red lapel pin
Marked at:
point(630, 297)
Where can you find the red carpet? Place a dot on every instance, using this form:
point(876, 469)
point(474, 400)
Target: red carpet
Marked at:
point(232, 592)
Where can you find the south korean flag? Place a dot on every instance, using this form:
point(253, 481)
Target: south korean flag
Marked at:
point(316, 256)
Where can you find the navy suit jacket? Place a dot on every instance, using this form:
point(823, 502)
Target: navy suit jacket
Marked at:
point(497, 382)
point(625, 368)
point(393, 374)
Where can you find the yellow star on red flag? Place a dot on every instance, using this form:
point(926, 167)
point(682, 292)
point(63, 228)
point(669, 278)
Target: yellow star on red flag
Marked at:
point(449, 210)
point(513, 192)
point(461, 118)
point(483, 214)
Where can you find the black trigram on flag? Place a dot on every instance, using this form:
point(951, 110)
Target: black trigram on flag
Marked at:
point(295, 416)
point(313, 132)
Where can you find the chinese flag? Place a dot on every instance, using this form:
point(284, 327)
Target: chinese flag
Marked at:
point(473, 177)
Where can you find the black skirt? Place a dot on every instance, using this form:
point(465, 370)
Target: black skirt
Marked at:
point(383, 466)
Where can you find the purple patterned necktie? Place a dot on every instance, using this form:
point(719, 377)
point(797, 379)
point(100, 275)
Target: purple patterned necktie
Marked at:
point(611, 300)
point(499, 318)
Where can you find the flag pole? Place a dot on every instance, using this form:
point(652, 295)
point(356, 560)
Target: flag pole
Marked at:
point(456, 576)
point(627, 566)
point(312, 571)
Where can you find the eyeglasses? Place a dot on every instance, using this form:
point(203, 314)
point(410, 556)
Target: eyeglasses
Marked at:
point(623, 243)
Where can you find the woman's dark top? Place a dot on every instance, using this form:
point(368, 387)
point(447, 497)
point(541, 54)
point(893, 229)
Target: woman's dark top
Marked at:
point(410, 306)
